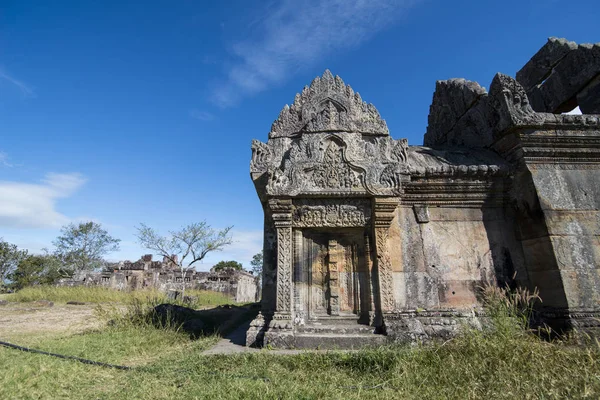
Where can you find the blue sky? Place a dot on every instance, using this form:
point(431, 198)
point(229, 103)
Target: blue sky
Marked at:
point(143, 111)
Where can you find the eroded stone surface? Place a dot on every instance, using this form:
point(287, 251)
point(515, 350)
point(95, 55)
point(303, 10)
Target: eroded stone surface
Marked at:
point(540, 66)
point(560, 75)
point(366, 236)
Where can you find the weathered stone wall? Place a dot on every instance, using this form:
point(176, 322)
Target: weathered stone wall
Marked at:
point(570, 201)
point(442, 262)
point(558, 208)
point(503, 193)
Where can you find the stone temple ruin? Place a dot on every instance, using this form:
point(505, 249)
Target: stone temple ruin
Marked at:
point(165, 275)
point(367, 239)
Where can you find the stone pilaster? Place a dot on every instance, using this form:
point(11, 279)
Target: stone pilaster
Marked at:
point(334, 274)
point(383, 210)
point(373, 289)
point(281, 212)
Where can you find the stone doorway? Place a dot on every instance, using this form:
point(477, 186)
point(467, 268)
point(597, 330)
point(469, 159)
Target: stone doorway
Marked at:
point(331, 278)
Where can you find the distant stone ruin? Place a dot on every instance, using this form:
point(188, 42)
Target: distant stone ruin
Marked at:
point(164, 275)
point(369, 240)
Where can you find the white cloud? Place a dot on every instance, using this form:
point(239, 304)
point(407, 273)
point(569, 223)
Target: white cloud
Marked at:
point(294, 34)
point(25, 89)
point(201, 115)
point(32, 205)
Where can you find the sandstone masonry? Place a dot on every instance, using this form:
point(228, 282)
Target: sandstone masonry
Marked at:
point(368, 240)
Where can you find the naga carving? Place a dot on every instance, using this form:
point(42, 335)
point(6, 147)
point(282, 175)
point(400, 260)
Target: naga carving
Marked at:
point(510, 104)
point(261, 155)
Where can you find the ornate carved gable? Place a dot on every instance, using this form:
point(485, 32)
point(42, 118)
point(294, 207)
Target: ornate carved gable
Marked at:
point(327, 105)
point(329, 143)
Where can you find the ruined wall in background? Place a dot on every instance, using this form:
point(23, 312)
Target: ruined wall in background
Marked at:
point(241, 286)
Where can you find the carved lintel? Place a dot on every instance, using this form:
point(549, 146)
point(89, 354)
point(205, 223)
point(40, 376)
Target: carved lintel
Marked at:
point(331, 213)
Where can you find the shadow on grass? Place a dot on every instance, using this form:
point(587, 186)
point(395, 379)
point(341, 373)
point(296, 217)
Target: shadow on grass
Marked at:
point(221, 320)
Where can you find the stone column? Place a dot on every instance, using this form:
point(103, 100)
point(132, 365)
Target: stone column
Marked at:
point(383, 210)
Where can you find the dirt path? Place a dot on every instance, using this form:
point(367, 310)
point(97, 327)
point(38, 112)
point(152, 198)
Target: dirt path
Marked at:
point(27, 321)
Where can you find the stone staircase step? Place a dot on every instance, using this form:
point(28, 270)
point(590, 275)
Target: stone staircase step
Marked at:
point(335, 329)
point(335, 320)
point(337, 341)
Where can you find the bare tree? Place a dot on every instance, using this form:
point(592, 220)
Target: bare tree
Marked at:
point(195, 240)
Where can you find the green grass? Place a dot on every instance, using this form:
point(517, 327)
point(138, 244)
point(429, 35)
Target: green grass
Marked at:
point(169, 365)
point(504, 361)
point(94, 294)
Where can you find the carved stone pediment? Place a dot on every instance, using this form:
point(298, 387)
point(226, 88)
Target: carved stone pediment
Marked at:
point(333, 164)
point(328, 105)
point(329, 143)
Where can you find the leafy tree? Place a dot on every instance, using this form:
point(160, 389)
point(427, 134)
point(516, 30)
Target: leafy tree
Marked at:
point(37, 270)
point(195, 240)
point(257, 266)
point(83, 246)
point(221, 265)
point(10, 257)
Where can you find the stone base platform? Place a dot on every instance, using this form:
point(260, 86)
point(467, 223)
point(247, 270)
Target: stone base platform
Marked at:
point(404, 327)
point(347, 333)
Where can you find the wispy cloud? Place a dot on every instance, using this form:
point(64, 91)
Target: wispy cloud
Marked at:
point(201, 115)
point(4, 160)
point(32, 205)
point(25, 89)
point(293, 34)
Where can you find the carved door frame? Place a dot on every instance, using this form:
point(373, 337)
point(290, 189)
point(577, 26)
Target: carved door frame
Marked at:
point(327, 246)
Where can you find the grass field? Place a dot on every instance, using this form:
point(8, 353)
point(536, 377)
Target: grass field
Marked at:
point(502, 362)
point(94, 294)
